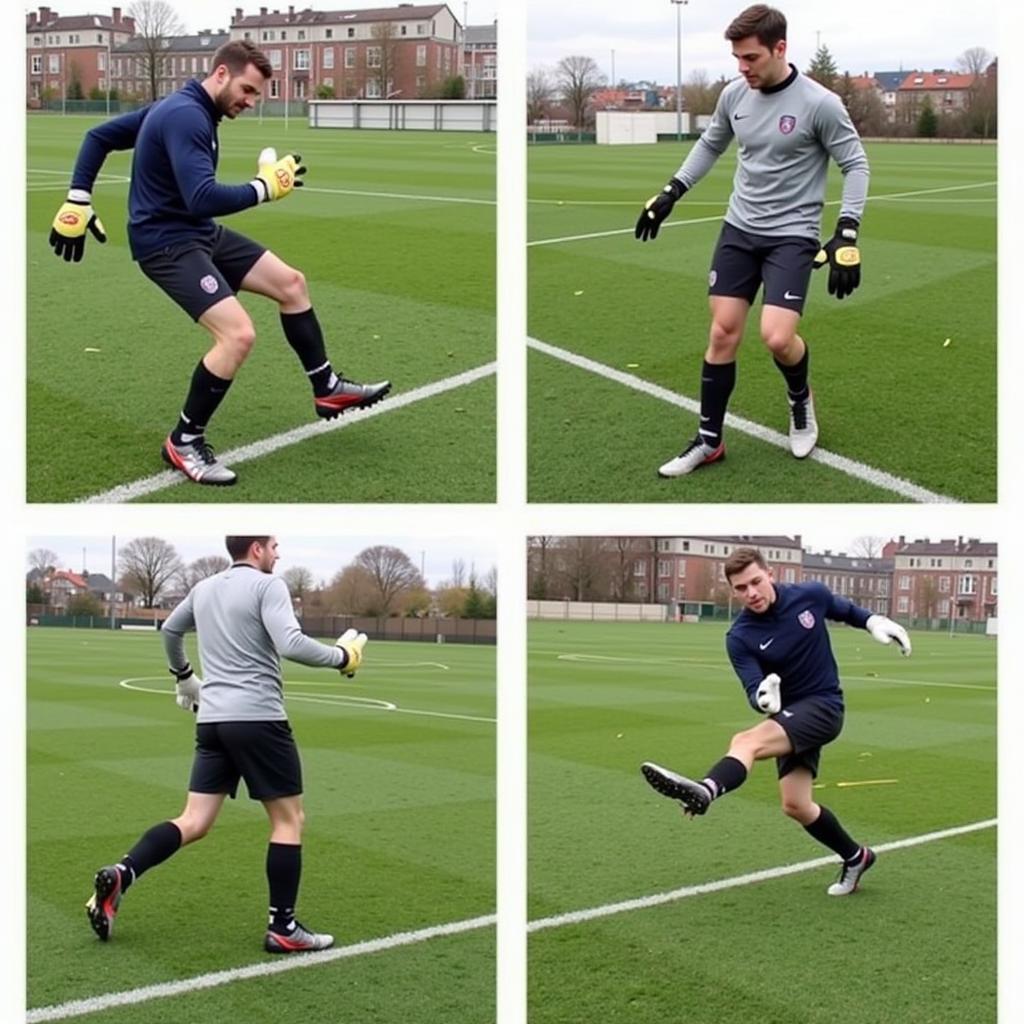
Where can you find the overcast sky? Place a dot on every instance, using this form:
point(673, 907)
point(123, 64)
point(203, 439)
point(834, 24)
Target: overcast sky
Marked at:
point(865, 35)
point(323, 556)
point(202, 14)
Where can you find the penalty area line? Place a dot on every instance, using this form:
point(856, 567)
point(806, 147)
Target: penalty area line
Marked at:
point(164, 990)
point(256, 450)
point(657, 899)
point(858, 470)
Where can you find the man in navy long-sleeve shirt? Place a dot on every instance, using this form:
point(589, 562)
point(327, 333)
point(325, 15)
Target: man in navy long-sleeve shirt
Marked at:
point(172, 200)
point(780, 648)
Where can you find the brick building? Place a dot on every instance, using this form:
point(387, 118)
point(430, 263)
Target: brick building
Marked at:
point(181, 59)
point(69, 57)
point(865, 581)
point(937, 579)
point(480, 62)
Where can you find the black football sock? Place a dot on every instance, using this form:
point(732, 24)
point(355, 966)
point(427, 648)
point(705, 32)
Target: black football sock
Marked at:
point(155, 846)
point(304, 335)
point(284, 868)
point(716, 383)
point(827, 830)
point(725, 776)
point(205, 393)
point(796, 377)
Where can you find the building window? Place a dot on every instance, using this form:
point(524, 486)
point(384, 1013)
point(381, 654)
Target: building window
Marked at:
point(789, 576)
point(421, 81)
point(662, 591)
point(299, 88)
point(302, 35)
point(403, 30)
point(329, 82)
point(329, 57)
point(968, 563)
point(37, 40)
point(54, 63)
point(195, 65)
point(944, 607)
point(943, 584)
point(274, 56)
point(421, 30)
point(101, 60)
point(351, 33)
point(99, 37)
point(275, 88)
point(37, 64)
point(284, 37)
point(967, 586)
point(883, 588)
point(373, 56)
point(904, 583)
point(664, 567)
point(682, 566)
point(373, 89)
point(350, 56)
point(902, 604)
point(993, 587)
point(638, 568)
point(265, 36)
point(300, 60)
point(329, 33)
point(421, 56)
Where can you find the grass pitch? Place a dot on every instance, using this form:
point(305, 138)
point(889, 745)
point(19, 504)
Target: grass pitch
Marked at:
point(890, 393)
point(400, 836)
point(395, 234)
point(918, 942)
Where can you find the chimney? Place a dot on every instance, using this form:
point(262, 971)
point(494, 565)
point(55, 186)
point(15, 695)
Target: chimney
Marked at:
point(263, 12)
point(797, 541)
point(291, 11)
point(115, 15)
point(238, 14)
point(44, 15)
point(31, 19)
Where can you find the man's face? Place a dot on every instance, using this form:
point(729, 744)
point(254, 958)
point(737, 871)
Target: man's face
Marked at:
point(760, 66)
point(235, 94)
point(753, 586)
point(266, 555)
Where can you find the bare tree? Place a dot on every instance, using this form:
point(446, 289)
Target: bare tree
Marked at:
point(974, 60)
point(540, 90)
point(392, 573)
point(700, 94)
point(578, 78)
point(299, 580)
point(43, 560)
point(458, 573)
point(156, 21)
point(385, 49)
point(868, 547)
point(539, 566)
point(352, 592)
point(148, 565)
point(624, 550)
point(585, 566)
point(208, 565)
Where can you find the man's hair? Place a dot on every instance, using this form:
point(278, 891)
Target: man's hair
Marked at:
point(238, 547)
point(767, 23)
point(238, 53)
point(740, 559)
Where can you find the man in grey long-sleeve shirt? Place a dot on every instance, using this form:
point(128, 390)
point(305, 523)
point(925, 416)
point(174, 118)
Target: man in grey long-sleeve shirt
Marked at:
point(787, 128)
point(245, 623)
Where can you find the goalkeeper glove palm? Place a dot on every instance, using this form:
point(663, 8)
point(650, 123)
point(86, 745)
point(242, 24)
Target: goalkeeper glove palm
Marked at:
point(351, 643)
point(186, 688)
point(74, 218)
point(769, 696)
point(277, 178)
point(657, 208)
point(885, 631)
point(843, 259)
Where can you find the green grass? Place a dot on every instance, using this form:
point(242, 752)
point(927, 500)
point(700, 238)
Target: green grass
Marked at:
point(404, 288)
point(917, 944)
point(400, 836)
point(889, 393)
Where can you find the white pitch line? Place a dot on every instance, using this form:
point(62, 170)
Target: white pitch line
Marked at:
point(858, 470)
point(709, 220)
point(920, 682)
point(256, 450)
point(644, 902)
point(402, 195)
point(132, 997)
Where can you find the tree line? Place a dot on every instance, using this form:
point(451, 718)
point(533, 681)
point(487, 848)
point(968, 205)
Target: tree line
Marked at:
point(382, 580)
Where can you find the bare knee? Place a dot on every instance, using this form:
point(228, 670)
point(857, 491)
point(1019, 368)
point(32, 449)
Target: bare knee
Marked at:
point(724, 340)
point(192, 827)
point(782, 344)
point(294, 292)
point(745, 747)
point(798, 810)
point(238, 340)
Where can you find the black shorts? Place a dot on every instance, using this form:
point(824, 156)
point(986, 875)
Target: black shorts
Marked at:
point(743, 262)
point(197, 275)
point(262, 753)
point(810, 724)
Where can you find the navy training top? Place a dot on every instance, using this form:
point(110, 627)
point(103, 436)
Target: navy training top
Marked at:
point(173, 194)
point(790, 638)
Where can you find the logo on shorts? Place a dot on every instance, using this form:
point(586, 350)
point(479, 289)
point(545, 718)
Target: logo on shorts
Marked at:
point(209, 284)
point(786, 124)
point(806, 619)
point(712, 278)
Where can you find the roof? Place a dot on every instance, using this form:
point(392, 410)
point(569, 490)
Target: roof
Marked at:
point(890, 81)
point(57, 23)
point(72, 577)
point(404, 12)
point(921, 81)
point(759, 542)
point(846, 563)
point(972, 546)
point(480, 34)
point(178, 44)
point(864, 82)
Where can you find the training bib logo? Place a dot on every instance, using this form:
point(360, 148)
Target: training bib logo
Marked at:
point(787, 123)
point(209, 284)
point(806, 619)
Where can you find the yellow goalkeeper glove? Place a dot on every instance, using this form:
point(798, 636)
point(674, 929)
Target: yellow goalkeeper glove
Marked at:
point(67, 235)
point(351, 642)
point(277, 178)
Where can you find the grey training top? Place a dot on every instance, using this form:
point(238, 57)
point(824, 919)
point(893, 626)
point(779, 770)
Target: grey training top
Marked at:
point(244, 620)
point(785, 135)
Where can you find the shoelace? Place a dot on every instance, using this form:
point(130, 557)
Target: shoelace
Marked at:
point(697, 442)
point(205, 452)
point(799, 413)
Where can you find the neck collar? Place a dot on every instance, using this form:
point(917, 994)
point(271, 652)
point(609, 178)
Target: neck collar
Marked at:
point(787, 81)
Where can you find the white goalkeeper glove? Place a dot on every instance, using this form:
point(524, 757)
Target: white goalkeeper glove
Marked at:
point(351, 642)
point(768, 696)
point(885, 631)
point(186, 688)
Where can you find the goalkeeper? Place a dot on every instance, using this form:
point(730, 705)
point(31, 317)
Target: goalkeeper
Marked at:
point(780, 648)
point(200, 265)
point(245, 623)
point(787, 128)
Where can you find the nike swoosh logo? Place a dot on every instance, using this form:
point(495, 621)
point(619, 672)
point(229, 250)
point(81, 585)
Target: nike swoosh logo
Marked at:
point(739, 117)
point(704, 419)
point(791, 298)
point(766, 644)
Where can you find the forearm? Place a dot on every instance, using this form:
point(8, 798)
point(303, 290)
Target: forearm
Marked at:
point(211, 199)
point(855, 192)
point(698, 162)
point(294, 645)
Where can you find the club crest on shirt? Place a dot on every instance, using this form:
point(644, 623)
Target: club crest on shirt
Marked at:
point(806, 619)
point(787, 123)
point(712, 278)
point(209, 284)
